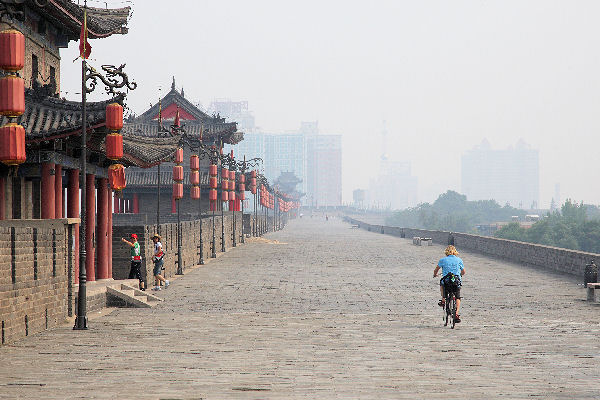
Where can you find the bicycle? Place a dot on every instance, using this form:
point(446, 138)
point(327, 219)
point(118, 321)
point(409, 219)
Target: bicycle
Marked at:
point(449, 308)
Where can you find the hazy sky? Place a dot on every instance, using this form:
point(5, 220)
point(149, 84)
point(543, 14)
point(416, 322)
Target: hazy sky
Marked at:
point(442, 74)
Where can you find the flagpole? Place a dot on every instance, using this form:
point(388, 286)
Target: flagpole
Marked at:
point(81, 319)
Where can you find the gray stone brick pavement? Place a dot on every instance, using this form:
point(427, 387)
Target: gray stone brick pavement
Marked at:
point(332, 313)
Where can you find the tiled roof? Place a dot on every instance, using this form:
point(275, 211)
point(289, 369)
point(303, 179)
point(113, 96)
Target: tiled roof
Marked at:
point(102, 22)
point(47, 116)
point(146, 152)
point(139, 177)
point(213, 128)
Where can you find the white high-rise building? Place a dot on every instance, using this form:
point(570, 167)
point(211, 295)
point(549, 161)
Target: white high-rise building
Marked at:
point(509, 176)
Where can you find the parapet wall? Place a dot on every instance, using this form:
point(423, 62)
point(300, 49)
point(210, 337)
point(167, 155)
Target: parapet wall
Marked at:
point(35, 278)
point(546, 257)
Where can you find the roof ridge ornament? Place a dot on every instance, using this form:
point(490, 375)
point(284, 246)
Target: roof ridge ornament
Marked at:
point(173, 84)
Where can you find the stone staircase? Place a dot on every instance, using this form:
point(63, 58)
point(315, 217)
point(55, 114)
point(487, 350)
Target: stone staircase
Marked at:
point(128, 296)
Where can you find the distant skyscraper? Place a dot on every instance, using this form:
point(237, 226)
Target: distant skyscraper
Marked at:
point(315, 159)
point(509, 176)
point(324, 170)
point(394, 188)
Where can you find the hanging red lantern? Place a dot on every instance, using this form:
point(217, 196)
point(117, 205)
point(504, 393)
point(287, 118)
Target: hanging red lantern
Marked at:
point(116, 177)
point(12, 50)
point(12, 144)
point(195, 194)
point(114, 146)
point(213, 182)
point(232, 183)
point(212, 170)
point(212, 194)
point(232, 175)
point(194, 162)
point(253, 181)
point(242, 196)
point(178, 173)
point(224, 195)
point(179, 156)
point(177, 191)
point(242, 178)
point(195, 177)
point(12, 96)
point(253, 174)
point(231, 196)
point(224, 184)
point(224, 173)
point(114, 117)
point(242, 187)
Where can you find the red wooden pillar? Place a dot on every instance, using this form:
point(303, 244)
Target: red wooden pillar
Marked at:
point(58, 192)
point(173, 205)
point(90, 225)
point(2, 201)
point(48, 196)
point(136, 204)
point(73, 212)
point(110, 234)
point(102, 230)
point(117, 203)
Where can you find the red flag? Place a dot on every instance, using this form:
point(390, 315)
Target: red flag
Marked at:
point(177, 123)
point(84, 47)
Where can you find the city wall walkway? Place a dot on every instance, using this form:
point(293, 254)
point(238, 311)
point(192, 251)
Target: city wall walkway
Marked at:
point(326, 312)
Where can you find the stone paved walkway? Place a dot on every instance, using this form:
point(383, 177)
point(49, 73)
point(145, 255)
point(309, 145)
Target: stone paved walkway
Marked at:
point(331, 313)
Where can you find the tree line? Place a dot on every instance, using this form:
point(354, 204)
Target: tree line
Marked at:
point(575, 226)
point(453, 212)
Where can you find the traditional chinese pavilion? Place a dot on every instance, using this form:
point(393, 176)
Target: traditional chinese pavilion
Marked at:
point(46, 185)
point(142, 183)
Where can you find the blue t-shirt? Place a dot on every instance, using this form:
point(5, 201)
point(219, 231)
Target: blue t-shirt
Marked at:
point(451, 264)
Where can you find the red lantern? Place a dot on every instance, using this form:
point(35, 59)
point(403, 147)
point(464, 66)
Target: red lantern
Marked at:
point(224, 195)
point(195, 192)
point(12, 144)
point(116, 177)
point(242, 178)
point(12, 96)
point(177, 191)
point(224, 173)
point(231, 196)
point(114, 117)
point(253, 181)
point(114, 146)
point(194, 162)
point(178, 173)
point(213, 182)
point(232, 175)
point(253, 189)
point(242, 187)
point(232, 184)
point(212, 195)
point(12, 50)
point(195, 177)
point(253, 174)
point(212, 170)
point(242, 196)
point(179, 156)
point(224, 184)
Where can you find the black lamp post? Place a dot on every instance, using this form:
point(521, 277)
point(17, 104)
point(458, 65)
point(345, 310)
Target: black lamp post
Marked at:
point(115, 79)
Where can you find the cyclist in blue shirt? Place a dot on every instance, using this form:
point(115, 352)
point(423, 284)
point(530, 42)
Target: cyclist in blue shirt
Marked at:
point(451, 264)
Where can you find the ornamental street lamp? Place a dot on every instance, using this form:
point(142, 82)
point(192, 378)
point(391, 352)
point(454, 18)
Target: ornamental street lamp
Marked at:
point(115, 79)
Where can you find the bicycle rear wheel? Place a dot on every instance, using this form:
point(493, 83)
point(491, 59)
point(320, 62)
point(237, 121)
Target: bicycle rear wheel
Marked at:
point(453, 311)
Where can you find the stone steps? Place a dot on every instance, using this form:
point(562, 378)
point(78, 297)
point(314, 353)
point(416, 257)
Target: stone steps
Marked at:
point(134, 297)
